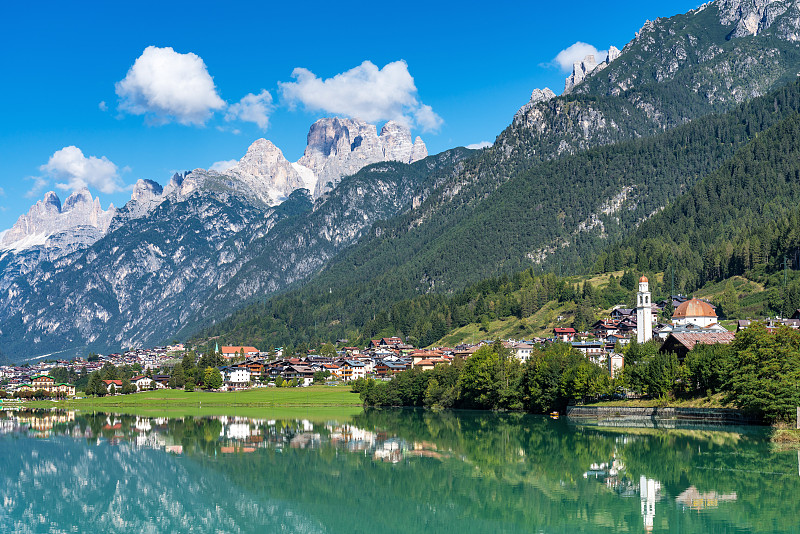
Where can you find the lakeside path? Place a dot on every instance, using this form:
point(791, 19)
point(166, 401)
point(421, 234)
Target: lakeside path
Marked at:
point(316, 401)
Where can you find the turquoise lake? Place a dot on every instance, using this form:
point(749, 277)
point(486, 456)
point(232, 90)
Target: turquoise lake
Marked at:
point(387, 471)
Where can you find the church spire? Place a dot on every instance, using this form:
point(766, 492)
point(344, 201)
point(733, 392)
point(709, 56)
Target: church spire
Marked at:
point(644, 312)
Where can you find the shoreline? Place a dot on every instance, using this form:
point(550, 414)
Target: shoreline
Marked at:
point(614, 415)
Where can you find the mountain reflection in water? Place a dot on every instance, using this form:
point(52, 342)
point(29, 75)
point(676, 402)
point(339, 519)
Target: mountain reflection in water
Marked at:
point(385, 471)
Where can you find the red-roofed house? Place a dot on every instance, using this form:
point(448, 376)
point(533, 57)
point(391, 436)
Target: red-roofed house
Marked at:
point(235, 352)
point(564, 334)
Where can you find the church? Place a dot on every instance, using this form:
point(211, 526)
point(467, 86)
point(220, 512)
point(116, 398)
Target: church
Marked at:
point(691, 315)
point(696, 312)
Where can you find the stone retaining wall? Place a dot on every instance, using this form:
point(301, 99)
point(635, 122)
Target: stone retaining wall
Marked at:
point(716, 415)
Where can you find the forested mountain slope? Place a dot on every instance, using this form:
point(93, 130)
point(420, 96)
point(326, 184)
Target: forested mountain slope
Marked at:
point(745, 216)
point(564, 211)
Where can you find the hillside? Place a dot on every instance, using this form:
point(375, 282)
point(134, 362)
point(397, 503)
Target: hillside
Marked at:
point(535, 218)
point(741, 220)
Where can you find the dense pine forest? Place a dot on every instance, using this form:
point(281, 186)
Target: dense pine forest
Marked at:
point(742, 219)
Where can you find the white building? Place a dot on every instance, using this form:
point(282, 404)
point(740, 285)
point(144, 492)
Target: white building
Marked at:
point(644, 312)
point(142, 382)
point(522, 351)
point(237, 376)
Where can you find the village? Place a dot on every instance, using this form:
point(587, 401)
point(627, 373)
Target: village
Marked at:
point(694, 321)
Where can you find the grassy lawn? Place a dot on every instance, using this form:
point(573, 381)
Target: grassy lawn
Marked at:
point(169, 400)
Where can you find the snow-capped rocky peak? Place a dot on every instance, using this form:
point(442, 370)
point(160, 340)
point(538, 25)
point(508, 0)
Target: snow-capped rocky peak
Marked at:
point(339, 147)
point(48, 217)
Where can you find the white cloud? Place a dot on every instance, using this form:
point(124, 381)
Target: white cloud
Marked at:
point(366, 92)
point(76, 171)
point(102, 105)
point(222, 166)
point(427, 118)
point(252, 108)
point(575, 53)
point(166, 86)
point(2, 192)
point(478, 146)
point(39, 183)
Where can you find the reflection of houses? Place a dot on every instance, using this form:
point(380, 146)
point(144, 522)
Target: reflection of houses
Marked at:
point(42, 425)
point(692, 498)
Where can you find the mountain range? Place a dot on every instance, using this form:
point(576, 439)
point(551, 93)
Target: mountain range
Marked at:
point(363, 220)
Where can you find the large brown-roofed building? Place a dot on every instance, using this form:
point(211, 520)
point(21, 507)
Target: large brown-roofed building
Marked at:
point(681, 343)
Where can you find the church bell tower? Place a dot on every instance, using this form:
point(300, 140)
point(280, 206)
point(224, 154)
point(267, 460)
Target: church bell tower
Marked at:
point(644, 312)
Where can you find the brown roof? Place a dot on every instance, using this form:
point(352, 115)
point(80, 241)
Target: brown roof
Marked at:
point(432, 361)
point(690, 339)
point(694, 308)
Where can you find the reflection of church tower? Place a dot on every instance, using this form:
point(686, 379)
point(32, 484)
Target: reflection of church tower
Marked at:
point(644, 313)
point(647, 493)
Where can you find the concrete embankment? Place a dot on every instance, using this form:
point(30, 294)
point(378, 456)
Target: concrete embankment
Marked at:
point(664, 417)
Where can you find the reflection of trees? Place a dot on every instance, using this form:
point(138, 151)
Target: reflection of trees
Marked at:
point(462, 471)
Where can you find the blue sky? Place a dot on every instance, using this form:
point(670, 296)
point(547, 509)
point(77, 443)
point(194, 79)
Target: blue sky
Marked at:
point(456, 72)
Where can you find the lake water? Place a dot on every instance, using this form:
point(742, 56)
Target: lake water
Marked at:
point(386, 471)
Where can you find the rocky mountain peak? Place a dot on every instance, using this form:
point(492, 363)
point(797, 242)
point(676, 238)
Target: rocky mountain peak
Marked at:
point(51, 202)
point(537, 96)
point(81, 199)
point(267, 172)
point(589, 65)
point(145, 190)
point(262, 156)
point(146, 195)
point(339, 147)
point(48, 217)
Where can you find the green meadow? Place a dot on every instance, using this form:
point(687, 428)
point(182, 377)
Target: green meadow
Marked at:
point(312, 402)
